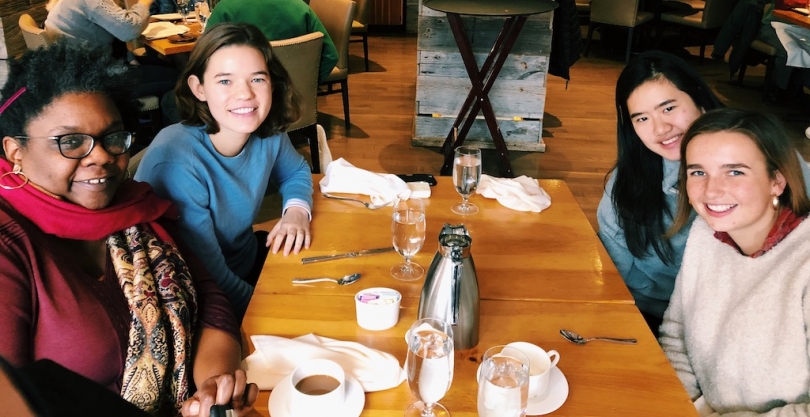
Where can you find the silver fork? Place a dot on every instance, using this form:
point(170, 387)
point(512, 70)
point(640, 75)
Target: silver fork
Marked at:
point(367, 204)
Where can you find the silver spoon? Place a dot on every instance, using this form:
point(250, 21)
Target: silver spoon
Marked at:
point(367, 204)
point(347, 280)
point(575, 338)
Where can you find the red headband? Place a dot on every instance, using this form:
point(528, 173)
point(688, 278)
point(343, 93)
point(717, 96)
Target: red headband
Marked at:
point(11, 100)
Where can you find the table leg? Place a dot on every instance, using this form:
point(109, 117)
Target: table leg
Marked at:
point(482, 81)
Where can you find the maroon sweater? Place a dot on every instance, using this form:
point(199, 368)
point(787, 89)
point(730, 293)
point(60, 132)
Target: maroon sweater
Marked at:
point(50, 308)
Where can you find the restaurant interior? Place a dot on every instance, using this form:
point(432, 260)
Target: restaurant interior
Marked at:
point(579, 133)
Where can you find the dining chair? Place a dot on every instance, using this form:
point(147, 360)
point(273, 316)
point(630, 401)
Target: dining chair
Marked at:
point(360, 26)
point(337, 16)
point(34, 36)
point(759, 52)
point(301, 57)
point(617, 13)
point(711, 18)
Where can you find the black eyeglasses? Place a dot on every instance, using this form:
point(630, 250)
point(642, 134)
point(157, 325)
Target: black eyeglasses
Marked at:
point(79, 145)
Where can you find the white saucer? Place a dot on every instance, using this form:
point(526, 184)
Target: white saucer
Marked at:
point(352, 406)
point(553, 398)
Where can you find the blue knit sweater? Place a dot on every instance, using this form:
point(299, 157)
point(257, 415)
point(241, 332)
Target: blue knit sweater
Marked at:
point(219, 197)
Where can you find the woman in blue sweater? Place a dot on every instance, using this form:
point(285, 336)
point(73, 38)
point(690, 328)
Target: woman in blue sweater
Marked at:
point(236, 101)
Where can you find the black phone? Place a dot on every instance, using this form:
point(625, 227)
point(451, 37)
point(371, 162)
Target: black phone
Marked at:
point(428, 178)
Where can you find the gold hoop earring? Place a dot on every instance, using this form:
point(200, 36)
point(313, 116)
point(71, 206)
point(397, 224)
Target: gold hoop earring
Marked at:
point(775, 202)
point(18, 172)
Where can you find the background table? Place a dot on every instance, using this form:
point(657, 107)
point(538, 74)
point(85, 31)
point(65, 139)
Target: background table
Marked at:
point(166, 48)
point(795, 18)
point(515, 13)
point(552, 255)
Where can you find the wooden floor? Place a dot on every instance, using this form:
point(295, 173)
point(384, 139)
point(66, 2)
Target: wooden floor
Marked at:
point(579, 125)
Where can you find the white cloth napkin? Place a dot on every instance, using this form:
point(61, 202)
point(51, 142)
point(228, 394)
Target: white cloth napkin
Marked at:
point(276, 357)
point(343, 177)
point(796, 41)
point(521, 193)
point(158, 30)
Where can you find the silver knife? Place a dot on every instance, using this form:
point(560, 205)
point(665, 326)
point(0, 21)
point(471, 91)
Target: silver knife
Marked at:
point(346, 255)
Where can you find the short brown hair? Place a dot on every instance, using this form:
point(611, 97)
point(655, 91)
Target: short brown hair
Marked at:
point(285, 108)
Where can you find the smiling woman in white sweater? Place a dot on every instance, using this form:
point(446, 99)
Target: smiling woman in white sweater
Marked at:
point(736, 330)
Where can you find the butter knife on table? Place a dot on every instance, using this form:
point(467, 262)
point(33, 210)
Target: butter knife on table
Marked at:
point(345, 255)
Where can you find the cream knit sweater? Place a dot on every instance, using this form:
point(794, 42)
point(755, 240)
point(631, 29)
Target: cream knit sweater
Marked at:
point(736, 330)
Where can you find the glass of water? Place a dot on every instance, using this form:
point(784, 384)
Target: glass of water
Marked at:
point(184, 7)
point(466, 174)
point(408, 230)
point(429, 366)
point(503, 382)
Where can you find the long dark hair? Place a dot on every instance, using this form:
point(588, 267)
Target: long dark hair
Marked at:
point(285, 108)
point(637, 196)
point(769, 136)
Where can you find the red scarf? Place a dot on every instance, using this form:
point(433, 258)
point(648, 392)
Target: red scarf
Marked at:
point(134, 203)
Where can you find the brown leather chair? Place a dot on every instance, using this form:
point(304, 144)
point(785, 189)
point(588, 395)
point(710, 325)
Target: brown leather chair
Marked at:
point(301, 57)
point(360, 26)
point(623, 13)
point(711, 17)
point(34, 36)
point(337, 17)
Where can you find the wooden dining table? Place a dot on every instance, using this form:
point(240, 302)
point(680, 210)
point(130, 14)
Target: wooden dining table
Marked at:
point(537, 272)
point(165, 47)
point(793, 17)
point(553, 255)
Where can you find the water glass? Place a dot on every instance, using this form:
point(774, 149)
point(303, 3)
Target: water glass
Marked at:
point(408, 230)
point(466, 175)
point(503, 383)
point(429, 366)
point(184, 7)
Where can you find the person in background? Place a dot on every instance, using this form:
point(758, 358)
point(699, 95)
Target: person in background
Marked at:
point(736, 329)
point(106, 25)
point(279, 19)
point(235, 101)
point(658, 96)
point(93, 275)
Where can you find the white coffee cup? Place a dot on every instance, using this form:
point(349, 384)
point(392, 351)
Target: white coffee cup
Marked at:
point(540, 365)
point(317, 388)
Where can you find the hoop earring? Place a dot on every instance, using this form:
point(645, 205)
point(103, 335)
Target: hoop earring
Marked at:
point(128, 176)
point(775, 202)
point(18, 172)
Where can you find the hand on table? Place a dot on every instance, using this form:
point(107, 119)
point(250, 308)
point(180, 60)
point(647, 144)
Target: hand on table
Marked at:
point(230, 389)
point(292, 230)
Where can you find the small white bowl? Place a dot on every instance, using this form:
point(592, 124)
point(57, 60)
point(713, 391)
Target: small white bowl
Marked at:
point(377, 308)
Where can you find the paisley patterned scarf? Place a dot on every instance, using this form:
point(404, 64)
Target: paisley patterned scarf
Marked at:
point(163, 304)
point(152, 273)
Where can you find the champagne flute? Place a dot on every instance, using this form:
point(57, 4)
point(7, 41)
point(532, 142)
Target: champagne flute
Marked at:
point(466, 174)
point(429, 366)
point(408, 229)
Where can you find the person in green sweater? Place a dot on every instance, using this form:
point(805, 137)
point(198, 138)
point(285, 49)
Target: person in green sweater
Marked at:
point(278, 19)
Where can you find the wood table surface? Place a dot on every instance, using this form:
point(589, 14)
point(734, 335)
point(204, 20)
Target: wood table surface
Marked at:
point(604, 379)
point(553, 255)
point(166, 48)
point(795, 18)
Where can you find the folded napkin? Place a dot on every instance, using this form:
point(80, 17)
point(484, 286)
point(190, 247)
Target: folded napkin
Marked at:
point(795, 40)
point(158, 30)
point(343, 177)
point(277, 357)
point(521, 193)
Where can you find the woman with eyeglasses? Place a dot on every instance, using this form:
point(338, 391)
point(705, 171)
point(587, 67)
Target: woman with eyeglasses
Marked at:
point(91, 273)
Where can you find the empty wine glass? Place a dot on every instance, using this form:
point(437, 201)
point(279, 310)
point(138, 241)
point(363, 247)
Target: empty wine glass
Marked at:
point(466, 174)
point(429, 366)
point(408, 229)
